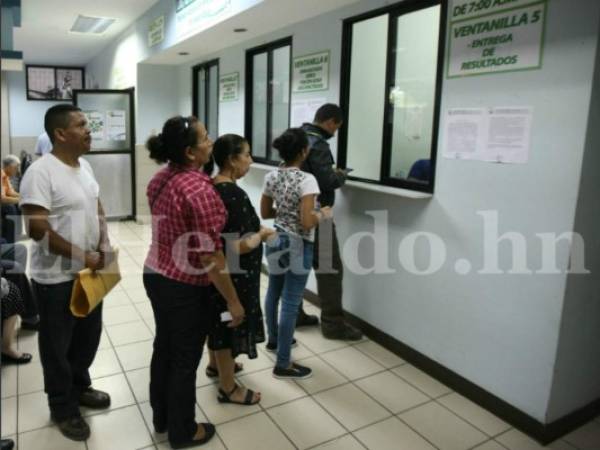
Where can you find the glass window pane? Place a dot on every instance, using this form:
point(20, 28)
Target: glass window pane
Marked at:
point(281, 93)
point(413, 95)
point(367, 97)
point(113, 173)
point(109, 118)
point(259, 105)
point(213, 103)
point(202, 95)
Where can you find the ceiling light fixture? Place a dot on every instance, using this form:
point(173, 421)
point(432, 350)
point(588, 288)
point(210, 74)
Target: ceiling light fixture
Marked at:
point(94, 25)
point(183, 53)
point(240, 30)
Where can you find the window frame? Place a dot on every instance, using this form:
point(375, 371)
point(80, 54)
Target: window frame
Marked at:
point(269, 49)
point(205, 66)
point(393, 12)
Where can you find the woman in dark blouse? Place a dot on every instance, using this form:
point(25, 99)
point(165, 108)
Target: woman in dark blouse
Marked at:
point(243, 236)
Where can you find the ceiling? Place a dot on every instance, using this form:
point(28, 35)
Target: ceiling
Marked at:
point(266, 17)
point(44, 36)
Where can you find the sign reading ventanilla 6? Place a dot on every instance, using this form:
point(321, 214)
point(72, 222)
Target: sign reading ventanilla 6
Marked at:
point(311, 72)
point(503, 41)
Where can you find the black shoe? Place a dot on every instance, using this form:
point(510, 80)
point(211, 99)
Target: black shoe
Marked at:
point(306, 320)
point(273, 347)
point(23, 359)
point(209, 432)
point(7, 444)
point(74, 428)
point(342, 332)
point(95, 399)
point(296, 372)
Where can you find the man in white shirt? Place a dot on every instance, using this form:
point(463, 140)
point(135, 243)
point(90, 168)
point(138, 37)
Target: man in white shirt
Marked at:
point(43, 144)
point(60, 201)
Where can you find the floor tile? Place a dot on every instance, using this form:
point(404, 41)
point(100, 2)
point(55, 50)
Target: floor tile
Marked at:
point(324, 376)
point(105, 363)
point(49, 438)
point(422, 381)
point(314, 340)
point(8, 381)
point(123, 428)
point(392, 392)
point(262, 362)
point(474, 414)
point(383, 356)
point(139, 380)
point(132, 281)
point(145, 309)
point(27, 341)
point(120, 314)
point(490, 445)
point(218, 412)
point(515, 440)
point(585, 438)
point(137, 295)
point(352, 407)
point(392, 434)
point(33, 412)
point(116, 298)
point(120, 394)
point(214, 444)
point(31, 377)
point(299, 352)
point(352, 363)
point(306, 423)
point(135, 356)
point(347, 442)
point(255, 432)
point(444, 429)
point(104, 341)
point(201, 378)
point(274, 392)
point(9, 416)
point(128, 333)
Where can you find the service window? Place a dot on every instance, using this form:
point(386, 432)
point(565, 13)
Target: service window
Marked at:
point(392, 72)
point(205, 105)
point(268, 82)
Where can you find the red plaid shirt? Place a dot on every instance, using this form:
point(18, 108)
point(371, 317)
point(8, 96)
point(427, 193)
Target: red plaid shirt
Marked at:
point(187, 219)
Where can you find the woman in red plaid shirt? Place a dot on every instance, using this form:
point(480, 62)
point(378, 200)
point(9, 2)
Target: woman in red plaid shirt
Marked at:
point(184, 264)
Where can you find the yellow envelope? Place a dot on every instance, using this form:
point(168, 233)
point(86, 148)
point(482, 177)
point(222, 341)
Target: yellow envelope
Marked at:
point(90, 288)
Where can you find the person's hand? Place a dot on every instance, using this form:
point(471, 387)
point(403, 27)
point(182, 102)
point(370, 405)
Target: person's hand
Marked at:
point(93, 261)
point(327, 212)
point(266, 233)
point(237, 314)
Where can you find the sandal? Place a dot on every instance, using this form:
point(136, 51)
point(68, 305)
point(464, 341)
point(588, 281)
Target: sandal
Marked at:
point(23, 359)
point(226, 398)
point(212, 372)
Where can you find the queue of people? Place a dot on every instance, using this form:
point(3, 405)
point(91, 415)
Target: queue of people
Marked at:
point(202, 271)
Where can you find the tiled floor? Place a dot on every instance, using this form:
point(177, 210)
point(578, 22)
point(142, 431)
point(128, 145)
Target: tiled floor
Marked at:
point(361, 396)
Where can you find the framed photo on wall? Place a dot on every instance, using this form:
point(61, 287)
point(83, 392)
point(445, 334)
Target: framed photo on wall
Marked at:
point(53, 82)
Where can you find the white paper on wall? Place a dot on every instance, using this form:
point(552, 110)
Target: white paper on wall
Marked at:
point(303, 110)
point(116, 129)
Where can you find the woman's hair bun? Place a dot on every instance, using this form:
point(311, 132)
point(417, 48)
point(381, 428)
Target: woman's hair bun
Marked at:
point(158, 151)
point(291, 143)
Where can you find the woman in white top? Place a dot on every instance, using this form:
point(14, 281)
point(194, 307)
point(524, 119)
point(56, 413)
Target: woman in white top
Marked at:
point(289, 196)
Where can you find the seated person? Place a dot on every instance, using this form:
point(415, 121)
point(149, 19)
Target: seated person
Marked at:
point(420, 171)
point(9, 198)
point(12, 306)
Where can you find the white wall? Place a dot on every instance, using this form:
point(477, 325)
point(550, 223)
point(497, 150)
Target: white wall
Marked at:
point(577, 371)
point(499, 331)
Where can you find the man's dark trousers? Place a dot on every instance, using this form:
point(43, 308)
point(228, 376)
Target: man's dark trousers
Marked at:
point(68, 347)
point(329, 271)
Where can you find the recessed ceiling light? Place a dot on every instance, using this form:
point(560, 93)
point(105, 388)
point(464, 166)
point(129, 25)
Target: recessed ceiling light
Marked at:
point(240, 30)
point(94, 25)
point(183, 53)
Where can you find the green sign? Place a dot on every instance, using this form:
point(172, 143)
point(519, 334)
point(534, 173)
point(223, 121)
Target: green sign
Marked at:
point(229, 87)
point(504, 41)
point(311, 72)
point(156, 31)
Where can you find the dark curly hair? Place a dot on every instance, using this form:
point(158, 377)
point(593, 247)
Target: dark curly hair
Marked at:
point(290, 144)
point(178, 133)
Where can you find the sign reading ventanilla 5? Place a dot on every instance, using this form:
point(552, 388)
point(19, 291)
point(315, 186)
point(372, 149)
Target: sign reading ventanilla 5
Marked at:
point(311, 72)
point(503, 41)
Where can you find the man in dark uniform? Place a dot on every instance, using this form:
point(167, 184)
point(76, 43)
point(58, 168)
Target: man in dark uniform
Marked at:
point(327, 261)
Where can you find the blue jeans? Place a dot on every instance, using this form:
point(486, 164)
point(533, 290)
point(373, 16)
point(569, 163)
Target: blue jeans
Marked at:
point(290, 262)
